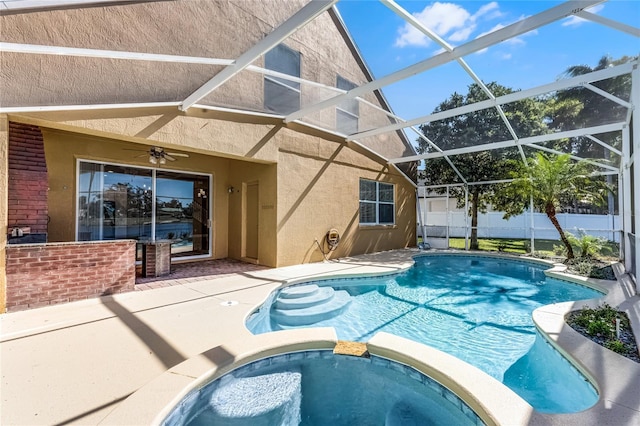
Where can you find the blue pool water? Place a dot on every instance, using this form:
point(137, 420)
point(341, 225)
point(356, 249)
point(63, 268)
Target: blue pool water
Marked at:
point(475, 308)
point(320, 388)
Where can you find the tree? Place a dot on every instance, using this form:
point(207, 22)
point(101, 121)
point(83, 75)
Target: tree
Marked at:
point(477, 128)
point(550, 180)
point(581, 107)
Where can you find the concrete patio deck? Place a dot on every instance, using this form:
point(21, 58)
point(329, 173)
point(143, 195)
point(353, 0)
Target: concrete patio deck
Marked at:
point(78, 363)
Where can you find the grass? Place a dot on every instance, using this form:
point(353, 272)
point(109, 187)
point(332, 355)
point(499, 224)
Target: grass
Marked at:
point(522, 246)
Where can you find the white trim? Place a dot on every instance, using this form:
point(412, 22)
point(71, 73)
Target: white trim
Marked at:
point(377, 203)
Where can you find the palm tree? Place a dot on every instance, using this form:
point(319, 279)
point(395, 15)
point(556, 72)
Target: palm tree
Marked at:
point(551, 180)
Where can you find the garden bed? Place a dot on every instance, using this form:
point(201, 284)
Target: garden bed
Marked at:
point(599, 325)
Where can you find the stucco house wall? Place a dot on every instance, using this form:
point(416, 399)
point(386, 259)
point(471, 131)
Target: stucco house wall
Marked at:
point(308, 179)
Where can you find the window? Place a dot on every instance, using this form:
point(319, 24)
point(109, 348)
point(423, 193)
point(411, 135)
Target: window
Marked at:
point(280, 95)
point(116, 202)
point(347, 111)
point(376, 203)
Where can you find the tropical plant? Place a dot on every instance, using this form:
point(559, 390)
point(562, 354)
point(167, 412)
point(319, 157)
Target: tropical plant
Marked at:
point(588, 245)
point(549, 180)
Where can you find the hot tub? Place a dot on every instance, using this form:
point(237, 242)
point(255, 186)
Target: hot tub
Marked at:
point(322, 388)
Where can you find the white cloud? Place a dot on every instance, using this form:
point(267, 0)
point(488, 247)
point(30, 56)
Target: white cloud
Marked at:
point(574, 21)
point(447, 20)
point(440, 18)
point(514, 41)
point(489, 7)
point(462, 35)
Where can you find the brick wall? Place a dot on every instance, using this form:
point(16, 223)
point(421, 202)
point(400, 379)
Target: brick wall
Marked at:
point(28, 180)
point(47, 274)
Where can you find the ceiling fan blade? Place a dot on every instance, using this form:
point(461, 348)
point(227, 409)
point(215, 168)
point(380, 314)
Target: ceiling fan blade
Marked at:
point(168, 157)
point(177, 154)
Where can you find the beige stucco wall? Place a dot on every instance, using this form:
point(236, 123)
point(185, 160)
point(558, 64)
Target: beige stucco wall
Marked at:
point(312, 184)
point(63, 149)
point(325, 195)
point(309, 179)
point(4, 183)
point(202, 28)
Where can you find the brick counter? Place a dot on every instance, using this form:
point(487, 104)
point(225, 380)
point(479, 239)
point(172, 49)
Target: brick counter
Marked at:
point(47, 274)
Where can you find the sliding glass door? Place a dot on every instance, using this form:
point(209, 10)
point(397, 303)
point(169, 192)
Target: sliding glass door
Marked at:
point(123, 202)
point(182, 212)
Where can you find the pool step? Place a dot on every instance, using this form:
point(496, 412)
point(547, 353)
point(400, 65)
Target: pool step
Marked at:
point(298, 291)
point(321, 295)
point(265, 400)
point(317, 304)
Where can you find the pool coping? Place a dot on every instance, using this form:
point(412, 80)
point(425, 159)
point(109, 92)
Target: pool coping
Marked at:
point(612, 375)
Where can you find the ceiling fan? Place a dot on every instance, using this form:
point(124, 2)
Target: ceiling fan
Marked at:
point(158, 155)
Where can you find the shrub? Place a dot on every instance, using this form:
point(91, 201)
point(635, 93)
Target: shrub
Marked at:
point(586, 244)
point(600, 328)
point(617, 346)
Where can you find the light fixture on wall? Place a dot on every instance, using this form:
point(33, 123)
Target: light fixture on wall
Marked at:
point(230, 189)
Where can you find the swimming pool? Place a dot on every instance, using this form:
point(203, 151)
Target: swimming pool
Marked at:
point(321, 388)
point(475, 308)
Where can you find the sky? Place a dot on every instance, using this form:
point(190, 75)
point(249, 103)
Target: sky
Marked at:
point(388, 44)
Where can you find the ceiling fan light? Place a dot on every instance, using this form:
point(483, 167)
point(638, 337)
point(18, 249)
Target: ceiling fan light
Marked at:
point(153, 160)
point(163, 160)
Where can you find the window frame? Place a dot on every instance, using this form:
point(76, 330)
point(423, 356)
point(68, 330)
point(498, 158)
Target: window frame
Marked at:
point(377, 203)
point(286, 85)
point(154, 171)
point(343, 111)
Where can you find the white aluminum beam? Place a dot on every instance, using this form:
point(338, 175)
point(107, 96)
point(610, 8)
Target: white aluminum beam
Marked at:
point(604, 145)
point(446, 46)
point(305, 15)
point(575, 157)
point(607, 95)
point(609, 23)
point(626, 208)
point(151, 57)
point(551, 15)
point(525, 141)
point(108, 54)
point(53, 108)
point(635, 177)
point(437, 148)
point(505, 99)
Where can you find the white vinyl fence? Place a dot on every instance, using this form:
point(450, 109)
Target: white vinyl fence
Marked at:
point(456, 224)
point(492, 225)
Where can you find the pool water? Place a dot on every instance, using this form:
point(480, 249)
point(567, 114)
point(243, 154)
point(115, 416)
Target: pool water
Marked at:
point(478, 309)
point(319, 388)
